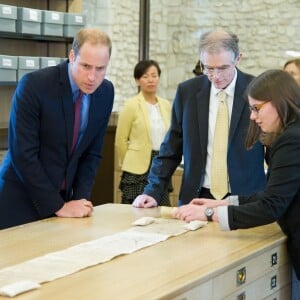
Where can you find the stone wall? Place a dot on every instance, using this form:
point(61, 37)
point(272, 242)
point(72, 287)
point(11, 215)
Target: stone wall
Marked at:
point(120, 19)
point(266, 28)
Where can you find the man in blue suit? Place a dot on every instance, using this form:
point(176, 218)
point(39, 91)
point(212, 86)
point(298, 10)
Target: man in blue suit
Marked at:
point(41, 176)
point(192, 129)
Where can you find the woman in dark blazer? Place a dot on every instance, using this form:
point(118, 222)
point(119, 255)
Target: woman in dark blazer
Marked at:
point(274, 99)
point(41, 176)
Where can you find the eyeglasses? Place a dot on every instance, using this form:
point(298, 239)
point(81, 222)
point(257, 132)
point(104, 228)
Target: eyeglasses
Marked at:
point(219, 70)
point(257, 107)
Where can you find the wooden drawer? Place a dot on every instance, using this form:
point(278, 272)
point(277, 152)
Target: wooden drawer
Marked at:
point(2, 154)
point(274, 285)
point(118, 197)
point(203, 291)
point(117, 192)
point(176, 181)
point(173, 200)
point(265, 286)
point(283, 294)
point(252, 269)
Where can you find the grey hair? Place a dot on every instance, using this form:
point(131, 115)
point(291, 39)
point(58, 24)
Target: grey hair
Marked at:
point(217, 40)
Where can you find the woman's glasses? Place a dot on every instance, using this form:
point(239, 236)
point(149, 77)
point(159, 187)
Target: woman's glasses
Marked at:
point(257, 107)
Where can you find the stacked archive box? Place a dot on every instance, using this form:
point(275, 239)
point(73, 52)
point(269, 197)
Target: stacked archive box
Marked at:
point(36, 22)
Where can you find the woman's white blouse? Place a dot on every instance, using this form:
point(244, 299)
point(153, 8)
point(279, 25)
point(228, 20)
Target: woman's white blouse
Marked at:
point(157, 125)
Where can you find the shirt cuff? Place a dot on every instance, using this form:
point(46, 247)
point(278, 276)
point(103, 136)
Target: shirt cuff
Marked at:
point(223, 217)
point(233, 200)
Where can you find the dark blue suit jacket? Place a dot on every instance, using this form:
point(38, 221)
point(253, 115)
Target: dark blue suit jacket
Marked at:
point(40, 138)
point(188, 136)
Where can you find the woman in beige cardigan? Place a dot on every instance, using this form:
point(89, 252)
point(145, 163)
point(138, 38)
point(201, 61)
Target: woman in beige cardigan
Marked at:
point(142, 125)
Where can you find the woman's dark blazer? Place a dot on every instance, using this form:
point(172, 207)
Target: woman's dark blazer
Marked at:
point(280, 201)
point(40, 137)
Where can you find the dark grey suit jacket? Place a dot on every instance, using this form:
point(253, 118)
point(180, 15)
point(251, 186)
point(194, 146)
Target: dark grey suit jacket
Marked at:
point(188, 136)
point(40, 138)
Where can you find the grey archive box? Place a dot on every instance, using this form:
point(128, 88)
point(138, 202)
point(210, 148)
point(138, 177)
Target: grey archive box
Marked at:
point(73, 23)
point(27, 64)
point(8, 68)
point(29, 20)
point(52, 23)
point(8, 16)
point(49, 61)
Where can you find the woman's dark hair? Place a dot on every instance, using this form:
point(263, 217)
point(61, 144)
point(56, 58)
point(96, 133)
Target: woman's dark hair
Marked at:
point(282, 90)
point(142, 66)
point(198, 70)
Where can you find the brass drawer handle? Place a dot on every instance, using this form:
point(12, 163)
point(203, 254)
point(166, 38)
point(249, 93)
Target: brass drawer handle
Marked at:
point(241, 276)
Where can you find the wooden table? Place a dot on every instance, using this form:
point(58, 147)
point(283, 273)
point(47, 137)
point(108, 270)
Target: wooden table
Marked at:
point(194, 265)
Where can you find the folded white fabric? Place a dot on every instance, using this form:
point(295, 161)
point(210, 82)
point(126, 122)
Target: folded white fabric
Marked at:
point(18, 287)
point(167, 212)
point(194, 225)
point(143, 221)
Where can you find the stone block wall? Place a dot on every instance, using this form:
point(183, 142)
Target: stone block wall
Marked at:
point(267, 29)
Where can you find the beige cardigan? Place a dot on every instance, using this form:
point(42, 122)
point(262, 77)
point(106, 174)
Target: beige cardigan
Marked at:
point(133, 136)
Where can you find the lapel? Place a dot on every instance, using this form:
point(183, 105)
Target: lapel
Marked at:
point(143, 106)
point(164, 113)
point(202, 99)
point(67, 103)
point(238, 105)
point(67, 99)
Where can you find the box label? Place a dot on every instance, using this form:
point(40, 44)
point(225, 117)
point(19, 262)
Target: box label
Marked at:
point(55, 16)
point(6, 10)
point(29, 63)
point(78, 19)
point(33, 15)
point(7, 62)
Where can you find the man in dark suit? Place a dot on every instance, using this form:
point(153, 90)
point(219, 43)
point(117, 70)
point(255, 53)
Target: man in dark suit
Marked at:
point(43, 173)
point(192, 127)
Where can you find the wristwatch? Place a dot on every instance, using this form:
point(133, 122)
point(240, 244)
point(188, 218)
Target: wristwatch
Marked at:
point(209, 211)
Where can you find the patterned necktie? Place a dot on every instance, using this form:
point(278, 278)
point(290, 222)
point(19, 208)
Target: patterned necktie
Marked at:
point(77, 119)
point(219, 173)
